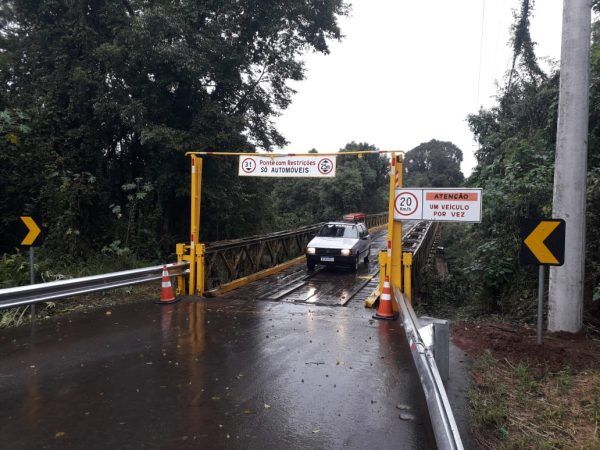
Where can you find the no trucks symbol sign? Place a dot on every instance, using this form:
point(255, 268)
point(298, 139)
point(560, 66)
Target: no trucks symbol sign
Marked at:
point(287, 166)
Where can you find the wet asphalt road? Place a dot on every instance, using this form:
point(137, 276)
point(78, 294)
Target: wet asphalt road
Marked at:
point(212, 373)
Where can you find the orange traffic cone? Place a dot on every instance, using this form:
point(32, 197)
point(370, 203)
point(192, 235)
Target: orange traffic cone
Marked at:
point(167, 296)
point(385, 311)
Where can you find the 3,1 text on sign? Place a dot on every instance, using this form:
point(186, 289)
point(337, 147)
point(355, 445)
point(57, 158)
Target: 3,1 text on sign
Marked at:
point(438, 204)
point(287, 166)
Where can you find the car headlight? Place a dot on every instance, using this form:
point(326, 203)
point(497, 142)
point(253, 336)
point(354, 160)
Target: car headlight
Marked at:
point(346, 252)
point(310, 250)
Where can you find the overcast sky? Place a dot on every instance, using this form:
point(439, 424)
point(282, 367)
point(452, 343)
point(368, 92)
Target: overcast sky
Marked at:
point(409, 71)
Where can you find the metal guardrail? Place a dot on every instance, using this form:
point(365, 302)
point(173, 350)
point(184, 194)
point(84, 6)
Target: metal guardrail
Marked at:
point(444, 426)
point(226, 261)
point(54, 290)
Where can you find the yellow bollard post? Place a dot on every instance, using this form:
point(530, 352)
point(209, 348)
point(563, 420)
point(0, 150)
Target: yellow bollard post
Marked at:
point(407, 261)
point(200, 268)
point(180, 251)
point(384, 272)
point(382, 268)
point(382, 259)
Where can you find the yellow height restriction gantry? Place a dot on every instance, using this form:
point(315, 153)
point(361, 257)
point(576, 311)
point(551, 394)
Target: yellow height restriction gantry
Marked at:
point(193, 252)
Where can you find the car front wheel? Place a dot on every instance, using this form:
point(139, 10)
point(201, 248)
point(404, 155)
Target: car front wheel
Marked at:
point(310, 266)
point(356, 264)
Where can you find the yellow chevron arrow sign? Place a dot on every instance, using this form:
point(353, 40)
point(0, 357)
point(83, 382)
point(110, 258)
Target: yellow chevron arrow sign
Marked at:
point(33, 231)
point(535, 242)
point(543, 242)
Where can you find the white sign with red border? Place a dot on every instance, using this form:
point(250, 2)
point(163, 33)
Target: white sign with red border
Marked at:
point(287, 166)
point(438, 204)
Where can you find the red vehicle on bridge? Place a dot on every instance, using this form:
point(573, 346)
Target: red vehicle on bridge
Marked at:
point(355, 217)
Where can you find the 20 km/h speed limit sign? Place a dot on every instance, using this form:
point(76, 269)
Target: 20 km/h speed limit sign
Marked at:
point(406, 204)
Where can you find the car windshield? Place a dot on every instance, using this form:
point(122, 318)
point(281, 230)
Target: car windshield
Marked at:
point(339, 231)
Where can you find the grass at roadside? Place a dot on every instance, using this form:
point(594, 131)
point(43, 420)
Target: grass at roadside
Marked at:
point(520, 403)
point(80, 304)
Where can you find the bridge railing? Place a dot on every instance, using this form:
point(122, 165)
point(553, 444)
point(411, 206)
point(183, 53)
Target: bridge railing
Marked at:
point(227, 261)
point(376, 220)
point(419, 241)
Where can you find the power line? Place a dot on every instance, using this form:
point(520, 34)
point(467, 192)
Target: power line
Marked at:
point(480, 53)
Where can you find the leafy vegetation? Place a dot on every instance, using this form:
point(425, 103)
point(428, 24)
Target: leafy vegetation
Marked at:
point(515, 167)
point(100, 100)
point(433, 164)
point(360, 185)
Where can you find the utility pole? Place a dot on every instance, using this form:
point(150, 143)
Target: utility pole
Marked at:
point(570, 169)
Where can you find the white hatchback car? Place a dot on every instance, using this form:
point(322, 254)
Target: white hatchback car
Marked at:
point(339, 244)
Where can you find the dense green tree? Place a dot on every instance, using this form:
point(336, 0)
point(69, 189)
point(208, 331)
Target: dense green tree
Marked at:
point(360, 184)
point(434, 163)
point(114, 93)
point(515, 167)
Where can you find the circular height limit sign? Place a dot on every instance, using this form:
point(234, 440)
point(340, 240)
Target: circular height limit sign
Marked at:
point(407, 205)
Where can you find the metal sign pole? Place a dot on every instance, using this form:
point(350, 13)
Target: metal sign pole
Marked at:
point(32, 278)
point(540, 318)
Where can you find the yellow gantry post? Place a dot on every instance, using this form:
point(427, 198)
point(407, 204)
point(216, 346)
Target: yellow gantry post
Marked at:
point(195, 192)
point(394, 240)
point(390, 225)
point(396, 262)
